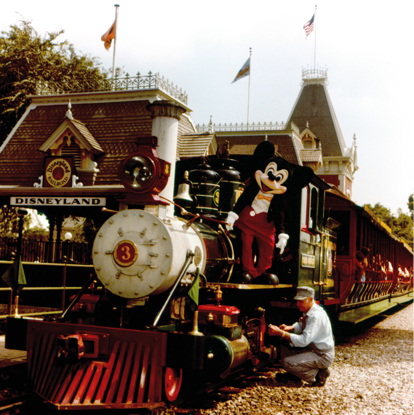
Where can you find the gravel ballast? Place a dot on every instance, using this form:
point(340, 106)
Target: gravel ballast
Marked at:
point(372, 374)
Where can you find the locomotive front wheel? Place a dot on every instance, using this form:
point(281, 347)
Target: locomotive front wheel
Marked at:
point(173, 379)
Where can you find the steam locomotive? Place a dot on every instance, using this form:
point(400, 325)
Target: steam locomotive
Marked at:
point(168, 315)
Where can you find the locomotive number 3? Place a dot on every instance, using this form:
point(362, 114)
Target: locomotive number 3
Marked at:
point(125, 253)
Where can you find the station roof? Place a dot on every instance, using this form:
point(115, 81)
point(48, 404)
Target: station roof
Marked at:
point(109, 123)
point(314, 108)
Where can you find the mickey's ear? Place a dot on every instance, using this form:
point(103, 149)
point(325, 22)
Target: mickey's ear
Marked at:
point(301, 177)
point(264, 150)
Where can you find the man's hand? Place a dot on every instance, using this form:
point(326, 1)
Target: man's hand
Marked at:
point(279, 331)
point(274, 330)
point(284, 327)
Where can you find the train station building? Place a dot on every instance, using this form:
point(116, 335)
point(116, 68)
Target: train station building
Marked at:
point(63, 156)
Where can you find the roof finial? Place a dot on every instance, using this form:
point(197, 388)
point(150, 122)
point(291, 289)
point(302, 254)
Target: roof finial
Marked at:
point(307, 124)
point(210, 125)
point(69, 111)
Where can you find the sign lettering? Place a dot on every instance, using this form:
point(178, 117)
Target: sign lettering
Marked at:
point(55, 201)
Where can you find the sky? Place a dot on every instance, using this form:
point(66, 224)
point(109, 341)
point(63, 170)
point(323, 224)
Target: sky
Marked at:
point(366, 46)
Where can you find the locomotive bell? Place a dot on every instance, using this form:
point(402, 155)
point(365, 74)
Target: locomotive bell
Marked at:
point(183, 192)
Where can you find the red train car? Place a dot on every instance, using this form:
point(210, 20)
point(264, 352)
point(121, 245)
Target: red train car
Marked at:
point(389, 270)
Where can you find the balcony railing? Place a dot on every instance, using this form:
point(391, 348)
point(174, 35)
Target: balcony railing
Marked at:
point(272, 126)
point(126, 83)
point(314, 76)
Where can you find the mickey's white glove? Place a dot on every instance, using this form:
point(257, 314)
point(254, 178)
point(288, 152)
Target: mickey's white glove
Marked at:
point(231, 218)
point(283, 238)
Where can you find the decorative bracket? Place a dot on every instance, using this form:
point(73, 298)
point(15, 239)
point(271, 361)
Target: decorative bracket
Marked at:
point(39, 184)
point(74, 180)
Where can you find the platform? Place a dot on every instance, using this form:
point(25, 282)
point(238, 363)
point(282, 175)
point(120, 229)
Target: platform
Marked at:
point(10, 357)
point(359, 314)
point(28, 311)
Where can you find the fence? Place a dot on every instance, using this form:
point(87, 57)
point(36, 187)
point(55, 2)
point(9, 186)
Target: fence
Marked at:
point(48, 289)
point(47, 252)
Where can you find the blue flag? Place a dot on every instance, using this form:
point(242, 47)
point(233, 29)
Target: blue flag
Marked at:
point(244, 71)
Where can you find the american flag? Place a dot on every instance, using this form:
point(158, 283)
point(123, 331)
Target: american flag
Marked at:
point(308, 27)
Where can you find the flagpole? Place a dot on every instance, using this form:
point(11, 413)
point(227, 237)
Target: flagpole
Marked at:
point(250, 75)
point(116, 28)
point(314, 56)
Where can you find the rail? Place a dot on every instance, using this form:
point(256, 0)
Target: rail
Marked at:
point(43, 252)
point(271, 126)
point(126, 83)
point(316, 73)
point(56, 277)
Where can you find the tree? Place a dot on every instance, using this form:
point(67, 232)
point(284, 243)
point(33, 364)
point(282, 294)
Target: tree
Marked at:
point(29, 63)
point(411, 204)
point(382, 213)
point(36, 233)
point(84, 230)
point(401, 225)
point(9, 222)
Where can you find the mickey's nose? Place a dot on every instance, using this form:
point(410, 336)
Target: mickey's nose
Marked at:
point(271, 176)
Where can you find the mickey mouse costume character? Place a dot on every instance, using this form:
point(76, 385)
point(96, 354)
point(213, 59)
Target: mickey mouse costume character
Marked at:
point(258, 215)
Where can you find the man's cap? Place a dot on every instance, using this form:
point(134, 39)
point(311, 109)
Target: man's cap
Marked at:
point(304, 292)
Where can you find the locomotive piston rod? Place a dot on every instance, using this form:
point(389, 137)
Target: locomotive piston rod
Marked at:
point(190, 256)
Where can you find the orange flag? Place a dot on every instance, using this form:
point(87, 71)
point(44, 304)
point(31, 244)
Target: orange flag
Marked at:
point(108, 36)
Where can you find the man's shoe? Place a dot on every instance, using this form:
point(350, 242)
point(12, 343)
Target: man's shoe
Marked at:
point(287, 377)
point(321, 378)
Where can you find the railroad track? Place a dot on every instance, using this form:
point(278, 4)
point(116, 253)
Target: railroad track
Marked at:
point(13, 392)
point(222, 391)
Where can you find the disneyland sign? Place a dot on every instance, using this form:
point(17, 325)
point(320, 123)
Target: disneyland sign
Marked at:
point(58, 201)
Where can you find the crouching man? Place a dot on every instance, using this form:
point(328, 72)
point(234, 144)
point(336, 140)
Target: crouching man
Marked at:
point(309, 347)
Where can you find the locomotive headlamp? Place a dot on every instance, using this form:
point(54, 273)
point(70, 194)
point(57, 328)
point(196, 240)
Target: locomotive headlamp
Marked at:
point(139, 173)
point(144, 173)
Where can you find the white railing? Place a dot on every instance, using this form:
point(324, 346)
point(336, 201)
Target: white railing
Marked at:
point(314, 74)
point(150, 81)
point(272, 126)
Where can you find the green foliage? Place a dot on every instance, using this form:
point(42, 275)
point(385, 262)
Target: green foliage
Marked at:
point(36, 233)
point(401, 225)
point(28, 62)
point(411, 204)
point(84, 231)
point(9, 222)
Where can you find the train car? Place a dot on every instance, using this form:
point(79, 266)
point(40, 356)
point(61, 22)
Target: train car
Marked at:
point(389, 273)
point(171, 317)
